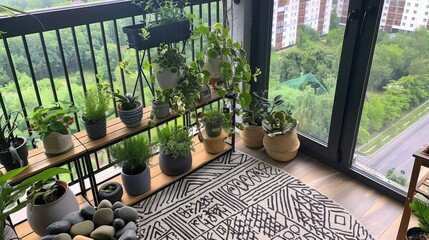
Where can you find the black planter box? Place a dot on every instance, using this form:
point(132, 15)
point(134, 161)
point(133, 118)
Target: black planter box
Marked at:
point(168, 33)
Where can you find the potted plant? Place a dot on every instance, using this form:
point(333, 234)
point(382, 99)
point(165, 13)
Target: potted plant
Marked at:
point(175, 157)
point(13, 149)
point(226, 61)
point(171, 24)
point(130, 110)
point(252, 116)
point(213, 121)
point(161, 104)
point(53, 126)
point(10, 194)
point(133, 155)
point(280, 141)
point(96, 105)
point(111, 191)
point(50, 201)
point(421, 211)
point(169, 66)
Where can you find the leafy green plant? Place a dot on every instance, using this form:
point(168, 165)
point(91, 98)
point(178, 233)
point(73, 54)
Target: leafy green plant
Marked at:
point(175, 141)
point(57, 118)
point(97, 101)
point(165, 12)
point(9, 195)
point(234, 70)
point(162, 96)
point(279, 123)
point(44, 191)
point(171, 58)
point(127, 101)
point(421, 211)
point(133, 154)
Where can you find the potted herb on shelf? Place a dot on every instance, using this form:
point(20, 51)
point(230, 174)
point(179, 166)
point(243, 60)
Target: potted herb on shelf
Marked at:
point(169, 66)
point(171, 24)
point(13, 149)
point(213, 121)
point(421, 210)
point(133, 155)
point(252, 116)
point(175, 157)
point(53, 126)
point(161, 104)
point(10, 194)
point(280, 141)
point(96, 105)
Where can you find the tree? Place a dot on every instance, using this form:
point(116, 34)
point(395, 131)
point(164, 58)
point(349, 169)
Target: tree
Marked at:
point(306, 36)
point(334, 21)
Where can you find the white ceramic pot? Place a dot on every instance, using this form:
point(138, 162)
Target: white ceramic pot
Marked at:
point(252, 136)
point(57, 144)
point(41, 216)
point(212, 65)
point(282, 147)
point(167, 79)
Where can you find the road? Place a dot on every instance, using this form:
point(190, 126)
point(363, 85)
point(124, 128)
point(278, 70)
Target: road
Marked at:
point(398, 152)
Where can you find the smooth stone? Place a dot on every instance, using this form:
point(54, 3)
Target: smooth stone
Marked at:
point(48, 237)
point(83, 228)
point(105, 204)
point(118, 223)
point(128, 214)
point(87, 212)
point(117, 205)
point(129, 226)
point(74, 217)
point(103, 232)
point(59, 227)
point(103, 216)
point(63, 236)
point(129, 235)
point(116, 213)
point(80, 237)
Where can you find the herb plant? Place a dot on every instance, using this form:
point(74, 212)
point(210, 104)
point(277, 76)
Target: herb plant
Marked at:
point(175, 141)
point(214, 117)
point(97, 102)
point(133, 154)
point(57, 118)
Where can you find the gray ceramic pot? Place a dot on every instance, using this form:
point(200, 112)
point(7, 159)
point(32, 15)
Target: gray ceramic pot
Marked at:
point(21, 148)
point(213, 130)
point(161, 110)
point(131, 118)
point(95, 130)
point(174, 167)
point(137, 184)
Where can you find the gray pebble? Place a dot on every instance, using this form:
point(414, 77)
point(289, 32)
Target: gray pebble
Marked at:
point(129, 226)
point(128, 214)
point(59, 227)
point(105, 204)
point(74, 217)
point(118, 223)
point(129, 235)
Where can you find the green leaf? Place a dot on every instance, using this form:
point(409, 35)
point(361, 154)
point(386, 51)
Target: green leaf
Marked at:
point(10, 174)
point(212, 53)
point(218, 26)
point(222, 93)
point(245, 99)
point(192, 16)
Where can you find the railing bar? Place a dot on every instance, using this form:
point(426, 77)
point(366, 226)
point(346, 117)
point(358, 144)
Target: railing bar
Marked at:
point(3, 107)
point(30, 65)
point(79, 61)
point(149, 58)
point(106, 54)
point(192, 41)
point(118, 49)
point(200, 10)
point(91, 48)
point(217, 11)
point(139, 76)
point(209, 14)
point(48, 66)
point(66, 74)
point(96, 160)
point(71, 174)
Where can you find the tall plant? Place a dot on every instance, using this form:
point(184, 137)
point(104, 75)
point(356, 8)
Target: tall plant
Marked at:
point(97, 101)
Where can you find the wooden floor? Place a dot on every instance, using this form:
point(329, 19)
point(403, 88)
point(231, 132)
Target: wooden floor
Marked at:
point(379, 214)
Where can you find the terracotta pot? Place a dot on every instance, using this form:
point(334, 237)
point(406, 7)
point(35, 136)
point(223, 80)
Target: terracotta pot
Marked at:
point(282, 147)
point(167, 79)
point(252, 136)
point(214, 145)
point(41, 216)
point(57, 144)
point(131, 118)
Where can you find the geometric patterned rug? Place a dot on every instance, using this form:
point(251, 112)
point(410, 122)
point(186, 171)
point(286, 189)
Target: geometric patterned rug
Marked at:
point(240, 197)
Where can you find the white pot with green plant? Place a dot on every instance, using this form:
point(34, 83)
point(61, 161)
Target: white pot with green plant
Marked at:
point(169, 66)
point(133, 155)
point(280, 141)
point(50, 201)
point(10, 194)
point(53, 126)
point(97, 100)
point(13, 149)
point(175, 152)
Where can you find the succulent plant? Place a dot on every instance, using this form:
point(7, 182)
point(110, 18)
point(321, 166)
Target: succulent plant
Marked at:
point(279, 123)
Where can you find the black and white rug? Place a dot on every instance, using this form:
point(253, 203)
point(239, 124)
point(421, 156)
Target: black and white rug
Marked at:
point(240, 197)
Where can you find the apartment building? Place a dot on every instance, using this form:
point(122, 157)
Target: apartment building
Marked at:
point(291, 13)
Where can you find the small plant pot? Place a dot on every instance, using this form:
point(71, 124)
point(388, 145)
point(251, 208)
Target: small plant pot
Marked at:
point(174, 167)
point(138, 184)
point(214, 145)
point(161, 110)
point(205, 94)
point(95, 130)
point(167, 33)
point(56, 144)
point(282, 147)
point(252, 136)
point(131, 118)
point(7, 160)
point(111, 191)
point(167, 79)
point(415, 233)
point(41, 216)
point(213, 130)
